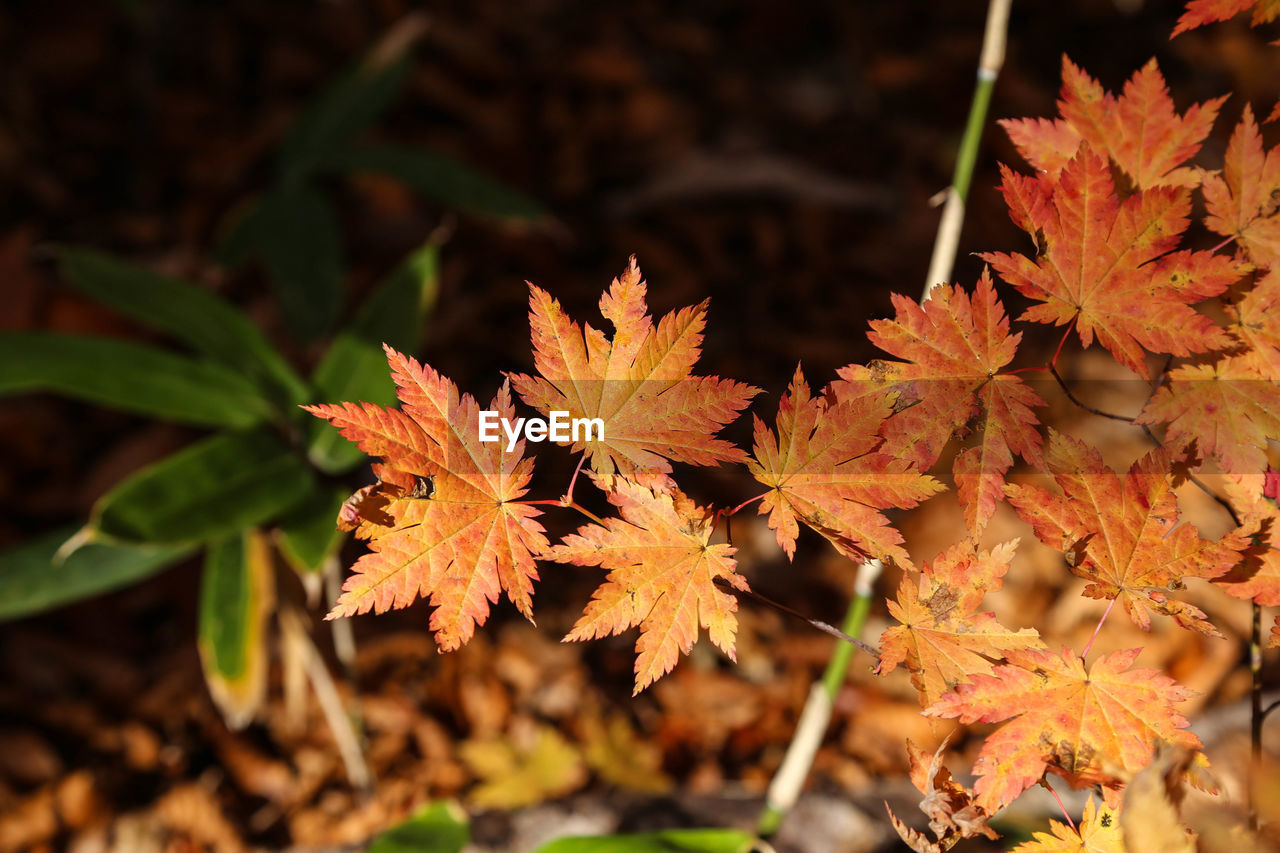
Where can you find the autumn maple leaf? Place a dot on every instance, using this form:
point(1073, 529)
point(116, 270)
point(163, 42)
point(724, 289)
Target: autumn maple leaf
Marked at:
point(1123, 532)
point(942, 639)
point(1107, 265)
point(823, 468)
point(445, 522)
point(1078, 724)
point(1224, 406)
point(1257, 577)
point(954, 346)
point(1201, 12)
point(1097, 832)
point(1139, 130)
point(1242, 200)
point(1257, 328)
point(662, 573)
point(639, 383)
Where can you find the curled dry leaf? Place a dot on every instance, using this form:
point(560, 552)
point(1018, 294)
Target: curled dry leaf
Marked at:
point(953, 814)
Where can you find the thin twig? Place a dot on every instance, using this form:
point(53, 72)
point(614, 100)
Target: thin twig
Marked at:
point(816, 623)
point(1062, 383)
point(1255, 716)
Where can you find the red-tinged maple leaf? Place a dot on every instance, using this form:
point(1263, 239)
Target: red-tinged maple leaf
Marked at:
point(1201, 12)
point(1097, 832)
point(954, 347)
point(1224, 406)
point(1107, 265)
point(1243, 200)
point(1077, 724)
point(953, 815)
point(1139, 130)
point(639, 383)
point(942, 639)
point(1257, 577)
point(1122, 533)
point(823, 468)
point(662, 574)
point(1257, 327)
point(445, 522)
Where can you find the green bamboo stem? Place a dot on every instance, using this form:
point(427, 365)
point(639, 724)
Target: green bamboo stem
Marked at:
point(791, 774)
point(948, 239)
point(785, 787)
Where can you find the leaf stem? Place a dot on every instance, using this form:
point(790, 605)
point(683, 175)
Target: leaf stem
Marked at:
point(1228, 241)
point(1089, 645)
point(562, 503)
point(746, 504)
point(1053, 362)
point(573, 481)
point(1065, 813)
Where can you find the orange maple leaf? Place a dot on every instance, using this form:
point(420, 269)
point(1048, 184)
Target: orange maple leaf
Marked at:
point(639, 383)
point(1201, 12)
point(1224, 406)
point(942, 638)
point(662, 574)
point(1241, 201)
point(444, 523)
point(1257, 327)
point(955, 346)
point(1063, 719)
point(1107, 265)
point(1140, 130)
point(1257, 577)
point(823, 467)
point(1122, 533)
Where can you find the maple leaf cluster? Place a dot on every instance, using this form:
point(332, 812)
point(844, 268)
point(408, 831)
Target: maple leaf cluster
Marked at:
point(446, 520)
point(1114, 192)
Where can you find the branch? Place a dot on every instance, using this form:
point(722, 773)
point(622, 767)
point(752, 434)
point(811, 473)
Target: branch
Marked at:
point(816, 623)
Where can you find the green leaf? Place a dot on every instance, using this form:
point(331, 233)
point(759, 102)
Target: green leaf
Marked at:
point(129, 376)
point(294, 233)
point(309, 534)
point(214, 488)
point(355, 366)
point(666, 841)
point(439, 828)
point(191, 314)
point(348, 105)
point(438, 177)
point(31, 582)
point(237, 595)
